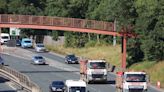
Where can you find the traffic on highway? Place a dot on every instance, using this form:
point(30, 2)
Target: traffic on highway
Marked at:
point(51, 72)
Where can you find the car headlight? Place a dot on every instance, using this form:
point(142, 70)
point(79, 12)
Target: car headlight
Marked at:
point(69, 59)
point(53, 88)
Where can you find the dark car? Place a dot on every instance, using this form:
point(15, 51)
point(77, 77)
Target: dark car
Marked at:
point(18, 42)
point(57, 86)
point(1, 61)
point(71, 59)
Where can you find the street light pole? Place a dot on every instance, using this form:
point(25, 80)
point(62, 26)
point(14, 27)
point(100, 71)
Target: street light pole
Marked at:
point(114, 37)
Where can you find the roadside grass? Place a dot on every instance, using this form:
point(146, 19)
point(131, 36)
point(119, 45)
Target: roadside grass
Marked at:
point(112, 54)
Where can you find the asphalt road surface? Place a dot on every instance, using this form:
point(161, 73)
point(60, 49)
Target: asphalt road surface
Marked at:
point(4, 87)
point(43, 75)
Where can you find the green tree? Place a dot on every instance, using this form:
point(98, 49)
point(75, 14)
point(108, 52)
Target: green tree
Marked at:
point(3, 6)
point(150, 22)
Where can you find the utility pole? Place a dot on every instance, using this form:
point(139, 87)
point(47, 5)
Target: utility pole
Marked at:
point(114, 37)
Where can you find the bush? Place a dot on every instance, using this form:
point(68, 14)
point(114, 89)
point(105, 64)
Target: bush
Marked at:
point(90, 44)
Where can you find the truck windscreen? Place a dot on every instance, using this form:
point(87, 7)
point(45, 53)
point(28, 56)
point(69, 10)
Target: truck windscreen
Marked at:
point(97, 65)
point(5, 37)
point(77, 89)
point(135, 78)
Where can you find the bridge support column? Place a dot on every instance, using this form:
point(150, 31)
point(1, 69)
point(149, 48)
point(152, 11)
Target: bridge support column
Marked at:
point(0, 43)
point(124, 40)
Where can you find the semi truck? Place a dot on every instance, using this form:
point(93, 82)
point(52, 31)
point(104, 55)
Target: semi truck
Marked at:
point(132, 81)
point(93, 70)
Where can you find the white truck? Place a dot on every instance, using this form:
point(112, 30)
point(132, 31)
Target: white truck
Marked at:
point(75, 86)
point(131, 82)
point(93, 70)
point(4, 37)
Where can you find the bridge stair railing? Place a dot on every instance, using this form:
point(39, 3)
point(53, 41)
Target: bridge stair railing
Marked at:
point(19, 79)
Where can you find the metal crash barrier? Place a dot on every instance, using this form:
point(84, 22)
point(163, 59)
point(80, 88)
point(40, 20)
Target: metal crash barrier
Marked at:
point(19, 79)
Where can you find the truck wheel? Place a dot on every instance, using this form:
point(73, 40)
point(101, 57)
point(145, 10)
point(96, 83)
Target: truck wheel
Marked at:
point(86, 79)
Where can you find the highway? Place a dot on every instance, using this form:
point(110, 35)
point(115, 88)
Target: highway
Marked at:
point(43, 75)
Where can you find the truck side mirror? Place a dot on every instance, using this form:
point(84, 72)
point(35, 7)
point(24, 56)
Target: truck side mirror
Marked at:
point(147, 78)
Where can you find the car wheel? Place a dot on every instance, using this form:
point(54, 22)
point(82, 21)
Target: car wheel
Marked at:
point(65, 61)
point(50, 90)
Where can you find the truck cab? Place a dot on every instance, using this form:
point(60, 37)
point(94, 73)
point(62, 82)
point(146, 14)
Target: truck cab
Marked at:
point(133, 82)
point(75, 86)
point(94, 70)
point(97, 70)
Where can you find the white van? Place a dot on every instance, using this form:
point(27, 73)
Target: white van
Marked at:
point(75, 86)
point(4, 37)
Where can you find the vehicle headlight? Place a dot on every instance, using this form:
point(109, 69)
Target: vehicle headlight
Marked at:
point(53, 88)
point(105, 72)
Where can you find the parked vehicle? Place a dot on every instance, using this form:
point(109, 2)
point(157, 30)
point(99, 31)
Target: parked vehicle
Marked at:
point(1, 61)
point(4, 37)
point(93, 70)
point(18, 42)
point(57, 86)
point(39, 47)
point(26, 43)
point(132, 82)
point(38, 60)
point(75, 86)
point(71, 58)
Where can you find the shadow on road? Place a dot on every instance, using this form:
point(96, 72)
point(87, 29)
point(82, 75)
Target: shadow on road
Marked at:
point(112, 82)
point(8, 91)
point(3, 80)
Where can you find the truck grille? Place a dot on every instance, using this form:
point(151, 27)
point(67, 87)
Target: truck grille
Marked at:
point(136, 90)
point(97, 75)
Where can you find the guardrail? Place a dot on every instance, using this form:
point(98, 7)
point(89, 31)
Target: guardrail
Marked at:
point(19, 79)
point(56, 21)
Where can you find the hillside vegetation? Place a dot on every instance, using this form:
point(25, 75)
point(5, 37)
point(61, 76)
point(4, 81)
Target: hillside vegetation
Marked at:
point(113, 55)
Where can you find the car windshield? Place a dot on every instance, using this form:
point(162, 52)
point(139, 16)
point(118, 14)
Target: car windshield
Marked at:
point(58, 83)
point(135, 78)
point(97, 65)
point(40, 45)
point(17, 41)
point(27, 41)
point(38, 57)
point(71, 56)
point(5, 37)
point(77, 89)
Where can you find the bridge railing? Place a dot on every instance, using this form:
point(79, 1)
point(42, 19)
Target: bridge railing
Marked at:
point(19, 79)
point(56, 21)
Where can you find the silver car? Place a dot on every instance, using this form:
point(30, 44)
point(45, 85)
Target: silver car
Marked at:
point(38, 60)
point(39, 47)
